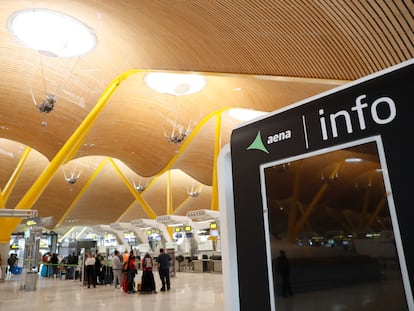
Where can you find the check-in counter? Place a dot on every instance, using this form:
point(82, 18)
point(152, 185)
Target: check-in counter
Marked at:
point(217, 267)
point(198, 265)
point(207, 265)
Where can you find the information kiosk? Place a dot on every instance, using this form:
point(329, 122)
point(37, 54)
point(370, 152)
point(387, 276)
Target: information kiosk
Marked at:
point(269, 196)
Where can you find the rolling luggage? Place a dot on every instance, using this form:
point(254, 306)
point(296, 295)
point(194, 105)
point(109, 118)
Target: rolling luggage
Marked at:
point(108, 277)
point(46, 271)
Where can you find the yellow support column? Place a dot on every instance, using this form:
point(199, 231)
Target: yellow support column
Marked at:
point(217, 145)
point(367, 196)
point(7, 225)
point(139, 197)
point(169, 194)
point(301, 223)
point(140, 200)
point(2, 204)
point(378, 210)
point(13, 179)
point(190, 137)
point(80, 193)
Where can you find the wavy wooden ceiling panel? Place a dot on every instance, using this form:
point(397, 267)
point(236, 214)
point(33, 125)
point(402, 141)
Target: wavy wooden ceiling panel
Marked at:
point(261, 55)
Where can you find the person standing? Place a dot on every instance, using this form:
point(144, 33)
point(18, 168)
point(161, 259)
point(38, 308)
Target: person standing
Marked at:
point(147, 281)
point(283, 269)
point(98, 270)
point(54, 261)
point(117, 269)
point(164, 262)
point(72, 262)
point(125, 256)
point(90, 270)
point(131, 273)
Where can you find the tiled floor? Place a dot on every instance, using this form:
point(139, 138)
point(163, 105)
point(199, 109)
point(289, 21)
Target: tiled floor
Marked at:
point(189, 292)
point(385, 295)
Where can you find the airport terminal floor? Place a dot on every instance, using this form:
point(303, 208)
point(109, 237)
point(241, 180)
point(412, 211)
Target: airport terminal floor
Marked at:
point(189, 292)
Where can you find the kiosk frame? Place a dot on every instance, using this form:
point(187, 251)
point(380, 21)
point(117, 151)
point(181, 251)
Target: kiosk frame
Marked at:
point(375, 108)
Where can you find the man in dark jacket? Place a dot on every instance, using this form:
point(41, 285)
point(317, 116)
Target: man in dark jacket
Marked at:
point(283, 269)
point(164, 261)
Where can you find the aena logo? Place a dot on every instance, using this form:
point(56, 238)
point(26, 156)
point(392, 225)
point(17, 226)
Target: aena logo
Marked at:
point(257, 144)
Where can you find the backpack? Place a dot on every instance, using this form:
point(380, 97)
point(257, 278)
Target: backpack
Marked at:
point(148, 263)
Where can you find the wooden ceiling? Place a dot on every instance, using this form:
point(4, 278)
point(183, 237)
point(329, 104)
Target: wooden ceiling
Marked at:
point(256, 55)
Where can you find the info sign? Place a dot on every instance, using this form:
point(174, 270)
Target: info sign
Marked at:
point(329, 175)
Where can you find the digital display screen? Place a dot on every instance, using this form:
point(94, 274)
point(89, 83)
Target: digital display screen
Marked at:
point(343, 190)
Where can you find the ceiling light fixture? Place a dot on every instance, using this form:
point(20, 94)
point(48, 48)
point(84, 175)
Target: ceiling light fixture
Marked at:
point(245, 114)
point(194, 191)
point(354, 160)
point(51, 33)
point(72, 177)
point(141, 186)
point(177, 84)
point(48, 104)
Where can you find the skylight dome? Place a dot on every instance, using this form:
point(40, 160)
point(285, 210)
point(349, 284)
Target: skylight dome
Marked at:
point(51, 33)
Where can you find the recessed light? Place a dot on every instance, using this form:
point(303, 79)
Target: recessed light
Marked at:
point(353, 160)
point(245, 114)
point(177, 84)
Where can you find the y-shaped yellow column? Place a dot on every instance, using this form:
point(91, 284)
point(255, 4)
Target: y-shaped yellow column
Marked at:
point(7, 225)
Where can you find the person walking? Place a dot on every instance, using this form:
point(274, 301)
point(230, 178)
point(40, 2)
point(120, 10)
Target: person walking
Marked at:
point(283, 269)
point(11, 261)
point(164, 262)
point(90, 270)
point(117, 269)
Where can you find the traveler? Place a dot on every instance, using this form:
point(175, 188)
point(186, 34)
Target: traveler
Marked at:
point(164, 262)
point(131, 273)
point(54, 261)
point(125, 256)
point(11, 261)
point(147, 280)
point(283, 269)
point(72, 262)
point(117, 269)
point(98, 270)
point(90, 270)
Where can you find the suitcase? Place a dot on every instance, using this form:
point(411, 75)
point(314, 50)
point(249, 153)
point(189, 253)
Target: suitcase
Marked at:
point(43, 271)
point(17, 270)
point(46, 271)
point(108, 276)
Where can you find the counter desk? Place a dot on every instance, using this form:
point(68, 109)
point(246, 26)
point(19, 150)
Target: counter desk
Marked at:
point(207, 265)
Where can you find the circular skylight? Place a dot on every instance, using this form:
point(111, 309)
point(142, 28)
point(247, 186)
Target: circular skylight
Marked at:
point(51, 33)
point(245, 114)
point(177, 84)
